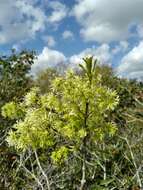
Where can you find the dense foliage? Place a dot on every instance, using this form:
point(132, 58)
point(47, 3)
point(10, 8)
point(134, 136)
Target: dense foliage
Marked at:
point(75, 131)
point(15, 81)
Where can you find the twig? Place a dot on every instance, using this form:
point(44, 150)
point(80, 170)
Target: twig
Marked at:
point(42, 171)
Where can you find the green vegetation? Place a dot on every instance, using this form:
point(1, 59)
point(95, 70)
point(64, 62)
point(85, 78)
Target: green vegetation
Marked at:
point(14, 83)
point(74, 131)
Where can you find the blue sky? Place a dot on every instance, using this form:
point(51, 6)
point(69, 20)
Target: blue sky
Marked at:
point(64, 31)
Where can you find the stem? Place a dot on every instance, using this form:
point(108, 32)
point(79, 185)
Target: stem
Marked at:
point(36, 179)
point(83, 180)
point(134, 162)
point(104, 170)
point(83, 149)
point(22, 164)
point(135, 165)
point(104, 166)
point(42, 171)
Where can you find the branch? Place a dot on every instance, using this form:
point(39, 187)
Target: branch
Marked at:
point(134, 162)
point(42, 171)
point(83, 180)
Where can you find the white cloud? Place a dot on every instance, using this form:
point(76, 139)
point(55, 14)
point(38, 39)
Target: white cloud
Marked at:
point(102, 53)
point(67, 34)
point(22, 19)
point(59, 11)
point(132, 64)
point(49, 40)
point(107, 21)
point(48, 58)
point(34, 14)
point(121, 47)
point(140, 30)
point(19, 20)
point(52, 58)
point(124, 45)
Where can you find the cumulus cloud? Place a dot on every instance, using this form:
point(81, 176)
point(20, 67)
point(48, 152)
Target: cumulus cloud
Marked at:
point(49, 40)
point(19, 20)
point(22, 19)
point(59, 11)
point(67, 34)
point(102, 53)
point(121, 47)
point(52, 58)
point(48, 58)
point(140, 30)
point(106, 21)
point(132, 63)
